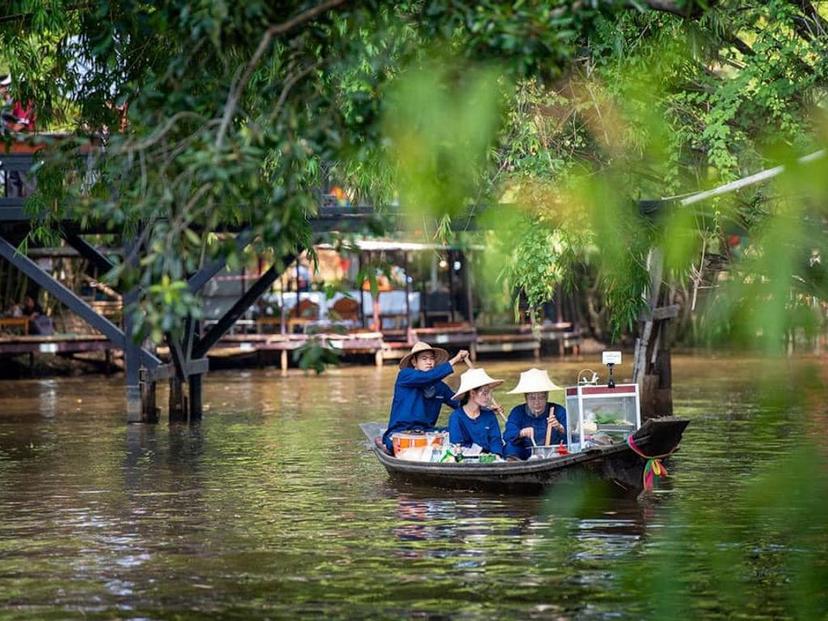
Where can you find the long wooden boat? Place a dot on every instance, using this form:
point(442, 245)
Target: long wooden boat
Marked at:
point(617, 463)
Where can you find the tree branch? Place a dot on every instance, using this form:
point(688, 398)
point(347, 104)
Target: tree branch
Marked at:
point(289, 85)
point(688, 9)
point(812, 25)
point(26, 18)
point(740, 45)
point(276, 29)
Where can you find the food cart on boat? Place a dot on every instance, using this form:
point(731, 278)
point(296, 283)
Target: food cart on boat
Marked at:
point(605, 437)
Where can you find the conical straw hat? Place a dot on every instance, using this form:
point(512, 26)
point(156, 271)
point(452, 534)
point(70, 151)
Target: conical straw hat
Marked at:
point(440, 355)
point(474, 378)
point(534, 380)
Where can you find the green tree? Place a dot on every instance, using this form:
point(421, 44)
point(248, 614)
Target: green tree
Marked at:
point(659, 103)
point(235, 111)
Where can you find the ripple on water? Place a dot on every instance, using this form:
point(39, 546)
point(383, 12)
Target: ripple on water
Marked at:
point(271, 507)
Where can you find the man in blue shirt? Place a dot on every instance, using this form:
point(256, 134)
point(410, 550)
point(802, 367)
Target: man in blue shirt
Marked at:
point(419, 391)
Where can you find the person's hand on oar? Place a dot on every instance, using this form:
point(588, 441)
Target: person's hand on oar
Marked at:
point(460, 355)
point(555, 424)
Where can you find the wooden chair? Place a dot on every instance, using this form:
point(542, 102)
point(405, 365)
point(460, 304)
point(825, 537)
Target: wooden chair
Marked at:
point(306, 309)
point(345, 309)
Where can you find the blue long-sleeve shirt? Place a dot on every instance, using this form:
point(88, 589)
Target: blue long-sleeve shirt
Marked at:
point(483, 430)
point(519, 418)
point(418, 397)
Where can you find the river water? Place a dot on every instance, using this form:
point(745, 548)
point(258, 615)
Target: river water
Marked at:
point(272, 507)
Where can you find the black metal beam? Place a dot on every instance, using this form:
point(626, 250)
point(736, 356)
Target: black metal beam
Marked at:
point(71, 300)
point(177, 355)
point(203, 345)
point(11, 210)
point(89, 252)
point(197, 366)
point(200, 278)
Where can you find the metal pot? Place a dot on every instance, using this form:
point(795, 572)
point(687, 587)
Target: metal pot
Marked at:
point(544, 452)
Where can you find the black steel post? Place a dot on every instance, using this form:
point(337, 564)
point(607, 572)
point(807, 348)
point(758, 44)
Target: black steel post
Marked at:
point(178, 398)
point(196, 406)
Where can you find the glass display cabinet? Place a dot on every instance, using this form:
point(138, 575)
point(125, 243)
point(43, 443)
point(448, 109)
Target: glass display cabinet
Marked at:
point(599, 415)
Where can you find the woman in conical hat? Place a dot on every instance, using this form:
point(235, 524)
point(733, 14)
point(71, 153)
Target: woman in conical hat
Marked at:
point(475, 421)
point(529, 420)
point(420, 391)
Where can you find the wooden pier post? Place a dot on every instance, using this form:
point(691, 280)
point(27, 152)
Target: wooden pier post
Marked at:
point(179, 408)
point(149, 410)
point(652, 369)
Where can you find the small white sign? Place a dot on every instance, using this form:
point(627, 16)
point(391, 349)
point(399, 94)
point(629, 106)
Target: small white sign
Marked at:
point(48, 348)
point(441, 338)
point(611, 357)
point(246, 346)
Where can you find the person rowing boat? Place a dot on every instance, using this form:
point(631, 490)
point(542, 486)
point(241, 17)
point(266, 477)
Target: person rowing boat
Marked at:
point(419, 391)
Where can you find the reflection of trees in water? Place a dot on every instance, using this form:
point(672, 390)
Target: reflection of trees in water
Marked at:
point(475, 529)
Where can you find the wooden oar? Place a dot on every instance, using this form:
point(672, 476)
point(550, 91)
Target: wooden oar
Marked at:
point(499, 409)
point(549, 431)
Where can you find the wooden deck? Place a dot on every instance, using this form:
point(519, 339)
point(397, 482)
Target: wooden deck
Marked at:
point(387, 345)
point(54, 344)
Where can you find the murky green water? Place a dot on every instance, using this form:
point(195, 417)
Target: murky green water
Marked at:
point(272, 508)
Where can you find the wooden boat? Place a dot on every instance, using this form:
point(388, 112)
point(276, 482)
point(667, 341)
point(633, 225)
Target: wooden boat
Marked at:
point(616, 463)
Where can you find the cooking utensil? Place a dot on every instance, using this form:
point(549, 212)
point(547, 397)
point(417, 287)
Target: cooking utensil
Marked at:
point(543, 452)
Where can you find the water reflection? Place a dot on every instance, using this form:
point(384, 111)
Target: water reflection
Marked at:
point(272, 507)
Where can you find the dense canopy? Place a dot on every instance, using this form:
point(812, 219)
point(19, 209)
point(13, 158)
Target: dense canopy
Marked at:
point(218, 114)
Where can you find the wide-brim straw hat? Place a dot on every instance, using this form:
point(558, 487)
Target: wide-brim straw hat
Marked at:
point(440, 355)
point(534, 380)
point(5, 80)
point(474, 378)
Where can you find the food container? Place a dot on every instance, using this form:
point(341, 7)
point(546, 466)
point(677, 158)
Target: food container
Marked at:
point(413, 446)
